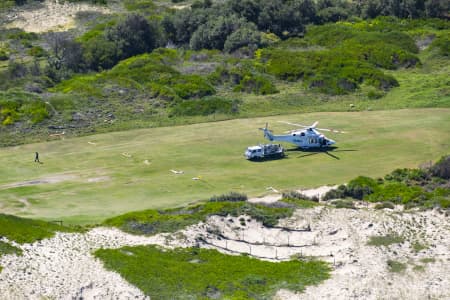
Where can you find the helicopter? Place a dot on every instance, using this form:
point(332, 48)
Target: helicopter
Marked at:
point(306, 138)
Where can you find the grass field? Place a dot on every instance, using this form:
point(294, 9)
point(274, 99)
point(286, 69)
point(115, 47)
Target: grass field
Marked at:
point(87, 179)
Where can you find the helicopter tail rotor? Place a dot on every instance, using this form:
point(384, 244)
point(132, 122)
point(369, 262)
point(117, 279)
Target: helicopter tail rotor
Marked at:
point(267, 133)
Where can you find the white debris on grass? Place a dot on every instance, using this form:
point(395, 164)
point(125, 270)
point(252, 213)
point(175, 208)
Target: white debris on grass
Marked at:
point(177, 172)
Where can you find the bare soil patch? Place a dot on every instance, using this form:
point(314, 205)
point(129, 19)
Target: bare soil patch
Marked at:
point(52, 15)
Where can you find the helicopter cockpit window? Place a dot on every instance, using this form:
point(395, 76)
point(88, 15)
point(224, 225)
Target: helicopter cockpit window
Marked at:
point(302, 134)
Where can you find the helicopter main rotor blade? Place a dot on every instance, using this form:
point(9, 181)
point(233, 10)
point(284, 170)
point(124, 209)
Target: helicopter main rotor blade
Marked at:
point(312, 126)
point(294, 124)
point(331, 130)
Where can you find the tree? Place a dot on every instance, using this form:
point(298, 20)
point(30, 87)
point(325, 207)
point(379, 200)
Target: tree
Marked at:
point(65, 52)
point(135, 35)
point(215, 32)
point(246, 35)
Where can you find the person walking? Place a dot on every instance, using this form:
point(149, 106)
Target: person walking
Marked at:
point(36, 157)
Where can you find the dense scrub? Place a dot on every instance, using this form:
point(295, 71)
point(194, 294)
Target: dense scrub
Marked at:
point(20, 106)
point(113, 71)
point(207, 274)
point(411, 187)
point(170, 220)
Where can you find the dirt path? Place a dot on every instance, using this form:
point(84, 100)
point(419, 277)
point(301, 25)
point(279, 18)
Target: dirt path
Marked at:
point(51, 15)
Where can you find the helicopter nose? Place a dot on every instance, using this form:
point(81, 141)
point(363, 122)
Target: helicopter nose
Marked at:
point(331, 142)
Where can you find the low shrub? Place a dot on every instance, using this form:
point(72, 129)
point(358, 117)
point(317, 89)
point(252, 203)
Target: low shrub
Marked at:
point(196, 273)
point(346, 203)
point(3, 55)
point(408, 176)
point(385, 240)
point(15, 106)
point(154, 221)
point(6, 248)
point(442, 44)
point(297, 196)
point(232, 197)
point(395, 266)
point(360, 187)
point(384, 205)
point(37, 51)
point(338, 193)
point(441, 168)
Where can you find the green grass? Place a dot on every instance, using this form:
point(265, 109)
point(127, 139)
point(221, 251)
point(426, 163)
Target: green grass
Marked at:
point(99, 176)
point(385, 240)
point(195, 273)
point(23, 230)
point(428, 260)
point(396, 267)
point(6, 248)
point(417, 246)
point(300, 203)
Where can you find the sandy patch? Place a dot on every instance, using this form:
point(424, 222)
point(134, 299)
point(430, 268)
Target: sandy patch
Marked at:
point(51, 16)
point(44, 180)
point(63, 267)
point(180, 6)
point(276, 195)
point(98, 179)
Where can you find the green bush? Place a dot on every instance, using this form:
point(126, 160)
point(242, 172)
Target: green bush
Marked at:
point(338, 193)
point(257, 84)
point(3, 55)
point(326, 70)
point(346, 203)
point(442, 44)
point(232, 197)
point(384, 205)
point(385, 240)
point(6, 248)
point(296, 195)
point(37, 51)
point(395, 266)
point(407, 175)
point(15, 106)
point(360, 187)
point(442, 168)
point(399, 193)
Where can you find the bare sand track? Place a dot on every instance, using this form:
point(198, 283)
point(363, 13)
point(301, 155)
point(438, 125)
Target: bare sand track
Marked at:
point(64, 268)
point(52, 15)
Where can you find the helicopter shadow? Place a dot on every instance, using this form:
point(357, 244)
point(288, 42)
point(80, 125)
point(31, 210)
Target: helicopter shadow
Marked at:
point(315, 151)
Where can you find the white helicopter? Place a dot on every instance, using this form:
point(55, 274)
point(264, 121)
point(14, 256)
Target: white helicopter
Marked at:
point(306, 138)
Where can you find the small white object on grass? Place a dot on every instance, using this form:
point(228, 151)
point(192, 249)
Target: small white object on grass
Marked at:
point(272, 189)
point(177, 172)
point(126, 154)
